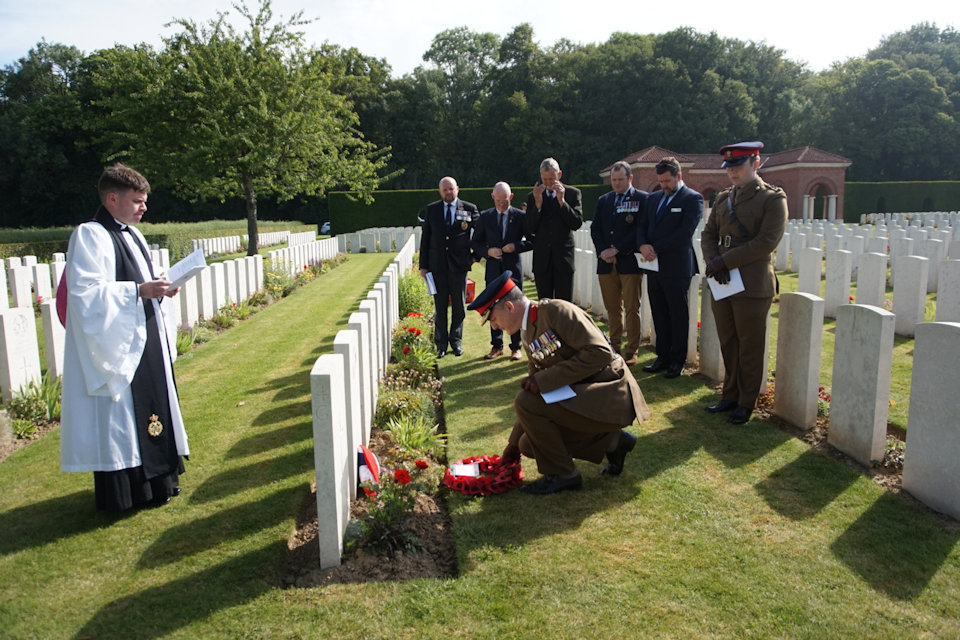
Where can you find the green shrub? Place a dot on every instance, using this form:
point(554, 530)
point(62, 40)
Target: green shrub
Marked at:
point(184, 340)
point(413, 296)
point(417, 437)
point(24, 429)
point(28, 405)
point(394, 403)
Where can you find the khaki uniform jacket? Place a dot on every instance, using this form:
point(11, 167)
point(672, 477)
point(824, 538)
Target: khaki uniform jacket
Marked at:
point(605, 388)
point(762, 210)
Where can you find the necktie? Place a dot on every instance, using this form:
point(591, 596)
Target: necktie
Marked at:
point(549, 193)
point(449, 215)
point(619, 202)
point(503, 225)
point(663, 202)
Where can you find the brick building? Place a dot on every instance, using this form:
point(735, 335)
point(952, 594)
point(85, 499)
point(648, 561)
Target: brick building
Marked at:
point(813, 179)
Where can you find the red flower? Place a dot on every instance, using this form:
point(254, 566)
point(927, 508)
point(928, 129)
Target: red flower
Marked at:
point(851, 298)
point(406, 350)
point(402, 476)
point(305, 267)
point(698, 324)
point(412, 329)
point(421, 464)
point(419, 332)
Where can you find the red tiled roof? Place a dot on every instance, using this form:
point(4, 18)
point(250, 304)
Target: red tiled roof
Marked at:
point(701, 161)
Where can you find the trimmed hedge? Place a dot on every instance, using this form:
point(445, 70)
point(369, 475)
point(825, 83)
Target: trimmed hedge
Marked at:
point(899, 197)
point(401, 208)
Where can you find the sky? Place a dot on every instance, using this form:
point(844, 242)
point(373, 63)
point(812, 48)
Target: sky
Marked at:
point(815, 32)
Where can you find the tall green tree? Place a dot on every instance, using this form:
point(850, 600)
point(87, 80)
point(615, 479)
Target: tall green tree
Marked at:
point(220, 113)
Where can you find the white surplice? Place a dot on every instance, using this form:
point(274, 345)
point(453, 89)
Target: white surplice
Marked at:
point(105, 337)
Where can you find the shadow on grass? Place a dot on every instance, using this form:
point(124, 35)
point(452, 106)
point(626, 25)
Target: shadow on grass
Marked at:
point(896, 546)
point(41, 523)
point(496, 523)
point(161, 610)
point(252, 475)
point(805, 486)
point(265, 441)
point(235, 523)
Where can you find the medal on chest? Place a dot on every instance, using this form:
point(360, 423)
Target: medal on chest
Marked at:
point(544, 346)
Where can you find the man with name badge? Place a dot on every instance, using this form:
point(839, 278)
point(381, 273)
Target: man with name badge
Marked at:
point(578, 395)
point(743, 230)
point(665, 234)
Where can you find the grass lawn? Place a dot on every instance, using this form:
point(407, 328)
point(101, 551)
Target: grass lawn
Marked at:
point(712, 531)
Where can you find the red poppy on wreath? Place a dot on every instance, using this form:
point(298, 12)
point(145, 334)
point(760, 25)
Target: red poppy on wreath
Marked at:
point(421, 464)
point(406, 350)
point(402, 476)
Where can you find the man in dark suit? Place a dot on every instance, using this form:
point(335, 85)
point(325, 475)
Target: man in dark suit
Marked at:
point(614, 234)
point(554, 212)
point(445, 254)
point(665, 235)
point(499, 237)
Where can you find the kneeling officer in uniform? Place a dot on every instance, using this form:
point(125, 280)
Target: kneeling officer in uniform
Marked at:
point(566, 351)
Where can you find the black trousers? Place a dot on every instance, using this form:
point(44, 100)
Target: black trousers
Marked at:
point(451, 292)
point(554, 282)
point(669, 305)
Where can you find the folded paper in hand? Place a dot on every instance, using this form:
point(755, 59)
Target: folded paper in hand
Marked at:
point(186, 269)
point(431, 285)
point(649, 265)
point(721, 291)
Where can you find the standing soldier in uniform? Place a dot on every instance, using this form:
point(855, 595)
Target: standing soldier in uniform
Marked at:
point(744, 227)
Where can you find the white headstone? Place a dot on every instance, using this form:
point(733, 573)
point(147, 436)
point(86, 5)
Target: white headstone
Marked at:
point(359, 323)
point(54, 336)
point(839, 265)
point(859, 399)
point(931, 470)
point(693, 317)
point(798, 358)
point(330, 456)
point(19, 349)
point(811, 268)
point(205, 300)
point(21, 287)
point(910, 293)
point(347, 344)
point(948, 296)
point(711, 359)
point(872, 282)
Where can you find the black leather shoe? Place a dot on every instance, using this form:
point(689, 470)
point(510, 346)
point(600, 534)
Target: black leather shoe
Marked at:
point(552, 484)
point(457, 351)
point(657, 366)
point(615, 458)
point(176, 492)
point(441, 354)
point(739, 416)
point(722, 406)
point(673, 371)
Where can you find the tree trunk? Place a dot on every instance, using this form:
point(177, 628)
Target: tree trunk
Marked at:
point(252, 233)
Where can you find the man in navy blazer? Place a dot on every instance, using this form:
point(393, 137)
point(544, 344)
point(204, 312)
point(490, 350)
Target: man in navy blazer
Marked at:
point(445, 253)
point(670, 220)
point(614, 234)
point(500, 238)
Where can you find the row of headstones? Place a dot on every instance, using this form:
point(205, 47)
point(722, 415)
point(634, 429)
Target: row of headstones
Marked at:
point(377, 239)
point(213, 288)
point(297, 258)
point(303, 237)
point(922, 218)
point(937, 247)
point(26, 280)
point(910, 284)
point(221, 245)
point(859, 399)
point(344, 391)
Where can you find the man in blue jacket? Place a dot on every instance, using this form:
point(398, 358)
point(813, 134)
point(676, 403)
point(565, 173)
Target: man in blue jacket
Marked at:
point(670, 220)
point(614, 234)
point(499, 237)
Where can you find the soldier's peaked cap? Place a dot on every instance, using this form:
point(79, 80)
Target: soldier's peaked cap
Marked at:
point(491, 295)
point(734, 154)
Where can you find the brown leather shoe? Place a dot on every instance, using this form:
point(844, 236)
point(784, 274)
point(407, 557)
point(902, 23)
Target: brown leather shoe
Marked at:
point(630, 360)
point(515, 355)
point(494, 353)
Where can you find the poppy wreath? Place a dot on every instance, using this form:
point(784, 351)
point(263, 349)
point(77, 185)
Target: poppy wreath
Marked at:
point(495, 477)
